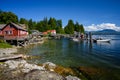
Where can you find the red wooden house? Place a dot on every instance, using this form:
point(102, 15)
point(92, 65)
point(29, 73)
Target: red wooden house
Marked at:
point(12, 31)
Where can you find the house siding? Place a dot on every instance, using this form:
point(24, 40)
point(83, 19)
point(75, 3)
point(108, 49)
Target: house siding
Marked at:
point(0, 32)
point(14, 31)
point(10, 32)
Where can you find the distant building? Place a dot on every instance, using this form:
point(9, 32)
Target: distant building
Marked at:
point(52, 32)
point(78, 35)
point(12, 31)
point(35, 32)
point(45, 33)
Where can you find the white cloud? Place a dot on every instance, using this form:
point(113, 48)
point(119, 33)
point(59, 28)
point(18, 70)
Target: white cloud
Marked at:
point(102, 26)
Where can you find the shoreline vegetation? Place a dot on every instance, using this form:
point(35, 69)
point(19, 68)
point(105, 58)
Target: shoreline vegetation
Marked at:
point(4, 45)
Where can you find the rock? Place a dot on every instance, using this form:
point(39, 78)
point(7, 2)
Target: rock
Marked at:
point(72, 78)
point(49, 65)
point(7, 51)
point(21, 70)
point(22, 65)
point(12, 64)
point(14, 74)
point(42, 75)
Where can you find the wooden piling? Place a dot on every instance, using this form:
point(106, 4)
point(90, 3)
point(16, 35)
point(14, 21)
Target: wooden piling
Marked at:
point(90, 35)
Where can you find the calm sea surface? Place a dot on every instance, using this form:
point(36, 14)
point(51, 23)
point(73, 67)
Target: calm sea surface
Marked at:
point(67, 53)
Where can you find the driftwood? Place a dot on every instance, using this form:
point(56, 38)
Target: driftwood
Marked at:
point(11, 57)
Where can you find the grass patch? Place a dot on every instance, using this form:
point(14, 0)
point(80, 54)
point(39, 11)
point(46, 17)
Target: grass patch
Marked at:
point(1, 63)
point(5, 45)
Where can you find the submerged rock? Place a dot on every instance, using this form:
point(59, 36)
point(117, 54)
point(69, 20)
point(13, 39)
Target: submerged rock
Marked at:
point(72, 78)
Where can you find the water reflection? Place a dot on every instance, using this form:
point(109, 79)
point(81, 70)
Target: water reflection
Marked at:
point(68, 52)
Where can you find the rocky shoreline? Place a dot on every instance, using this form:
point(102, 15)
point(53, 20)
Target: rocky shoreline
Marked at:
point(22, 70)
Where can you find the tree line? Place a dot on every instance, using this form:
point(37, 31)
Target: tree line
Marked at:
point(43, 25)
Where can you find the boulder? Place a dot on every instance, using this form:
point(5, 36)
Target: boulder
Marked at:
point(21, 70)
point(22, 65)
point(42, 75)
point(49, 65)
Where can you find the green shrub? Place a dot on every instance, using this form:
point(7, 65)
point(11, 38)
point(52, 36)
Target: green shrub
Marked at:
point(5, 45)
point(1, 41)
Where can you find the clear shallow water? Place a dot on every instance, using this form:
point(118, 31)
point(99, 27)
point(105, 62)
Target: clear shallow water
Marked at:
point(69, 53)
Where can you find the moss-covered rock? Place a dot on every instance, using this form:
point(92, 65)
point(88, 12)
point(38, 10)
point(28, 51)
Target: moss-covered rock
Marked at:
point(64, 71)
point(94, 73)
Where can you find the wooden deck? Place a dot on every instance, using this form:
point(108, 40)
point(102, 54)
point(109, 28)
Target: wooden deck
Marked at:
point(15, 37)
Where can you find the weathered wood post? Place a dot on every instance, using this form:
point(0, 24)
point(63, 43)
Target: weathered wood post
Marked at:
point(90, 34)
point(16, 42)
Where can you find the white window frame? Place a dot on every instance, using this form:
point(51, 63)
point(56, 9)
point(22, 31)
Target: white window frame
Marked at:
point(8, 32)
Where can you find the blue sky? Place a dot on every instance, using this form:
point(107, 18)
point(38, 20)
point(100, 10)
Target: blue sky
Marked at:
point(86, 12)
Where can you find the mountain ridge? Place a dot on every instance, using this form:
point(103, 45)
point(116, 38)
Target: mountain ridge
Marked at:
point(106, 32)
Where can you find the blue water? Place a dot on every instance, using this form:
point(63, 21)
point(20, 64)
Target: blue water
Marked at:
point(67, 53)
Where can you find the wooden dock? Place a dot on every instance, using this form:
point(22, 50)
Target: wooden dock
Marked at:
point(11, 57)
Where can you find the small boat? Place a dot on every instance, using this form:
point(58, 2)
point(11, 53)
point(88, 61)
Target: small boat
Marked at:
point(101, 40)
point(75, 39)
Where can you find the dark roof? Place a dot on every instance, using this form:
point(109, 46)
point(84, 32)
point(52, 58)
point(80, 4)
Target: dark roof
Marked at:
point(24, 26)
point(2, 25)
point(15, 25)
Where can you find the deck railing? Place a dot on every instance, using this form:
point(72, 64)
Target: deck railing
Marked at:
point(15, 37)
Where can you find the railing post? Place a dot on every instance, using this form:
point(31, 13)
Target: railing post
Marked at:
point(90, 34)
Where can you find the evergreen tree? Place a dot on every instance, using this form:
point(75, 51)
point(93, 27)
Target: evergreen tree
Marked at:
point(30, 24)
point(6, 17)
point(82, 29)
point(23, 21)
point(45, 24)
point(52, 23)
point(77, 27)
point(59, 28)
point(1, 11)
point(69, 29)
point(39, 26)
point(34, 24)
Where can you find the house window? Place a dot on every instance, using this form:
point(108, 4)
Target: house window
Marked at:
point(8, 32)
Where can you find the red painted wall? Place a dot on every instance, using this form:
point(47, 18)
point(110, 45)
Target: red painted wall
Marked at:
point(10, 28)
point(11, 32)
point(15, 31)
